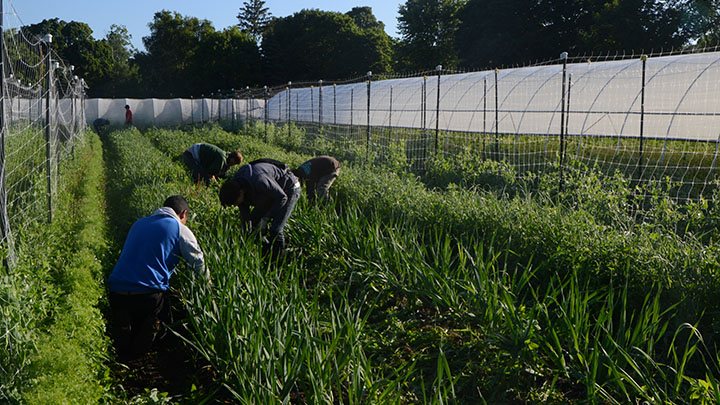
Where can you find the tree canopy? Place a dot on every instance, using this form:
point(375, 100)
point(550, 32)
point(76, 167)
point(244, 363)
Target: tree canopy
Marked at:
point(314, 44)
point(495, 32)
point(428, 33)
point(253, 18)
point(185, 56)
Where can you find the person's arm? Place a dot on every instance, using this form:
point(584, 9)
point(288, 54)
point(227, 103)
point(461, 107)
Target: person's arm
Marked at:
point(191, 252)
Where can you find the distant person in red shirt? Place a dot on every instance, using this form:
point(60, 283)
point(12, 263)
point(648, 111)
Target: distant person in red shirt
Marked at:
point(128, 115)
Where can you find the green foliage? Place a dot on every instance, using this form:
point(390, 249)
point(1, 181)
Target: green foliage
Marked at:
point(54, 345)
point(428, 34)
point(314, 44)
point(74, 44)
point(185, 56)
point(399, 293)
point(253, 18)
point(489, 36)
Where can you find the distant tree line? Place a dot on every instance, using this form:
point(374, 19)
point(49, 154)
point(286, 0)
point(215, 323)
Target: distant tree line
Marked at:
point(186, 56)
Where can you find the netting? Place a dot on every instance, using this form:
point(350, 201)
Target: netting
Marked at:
point(42, 117)
point(653, 119)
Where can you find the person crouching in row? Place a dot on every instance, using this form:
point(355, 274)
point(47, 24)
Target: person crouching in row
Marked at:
point(141, 277)
point(207, 162)
point(318, 174)
point(265, 191)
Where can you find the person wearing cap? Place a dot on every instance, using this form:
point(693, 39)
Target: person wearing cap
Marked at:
point(266, 193)
point(128, 115)
point(140, 279)
point(318, 174)
point(207, 162)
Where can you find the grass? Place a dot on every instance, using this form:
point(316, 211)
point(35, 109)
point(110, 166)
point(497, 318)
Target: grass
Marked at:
point(54, 344)
point(407, 294)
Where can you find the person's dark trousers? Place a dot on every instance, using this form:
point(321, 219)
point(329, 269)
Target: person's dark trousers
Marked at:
point(196, 171)
point(136, 320)
point(277, 239)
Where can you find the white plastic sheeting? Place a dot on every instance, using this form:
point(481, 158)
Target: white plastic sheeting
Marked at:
point(162, 112)
point(682, 101)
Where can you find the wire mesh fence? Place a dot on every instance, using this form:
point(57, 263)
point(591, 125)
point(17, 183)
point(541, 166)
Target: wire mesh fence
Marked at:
point(42, 117)
point(654, 119)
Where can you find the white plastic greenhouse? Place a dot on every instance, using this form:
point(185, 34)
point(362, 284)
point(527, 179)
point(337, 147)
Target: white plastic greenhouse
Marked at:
point(681, 101)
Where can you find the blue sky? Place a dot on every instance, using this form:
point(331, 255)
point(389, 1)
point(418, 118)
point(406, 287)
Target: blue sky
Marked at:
point(136, 14)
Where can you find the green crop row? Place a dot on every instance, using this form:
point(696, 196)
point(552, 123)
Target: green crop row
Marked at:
point(407, 294)
point(53, 343)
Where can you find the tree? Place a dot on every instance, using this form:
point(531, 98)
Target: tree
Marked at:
point(428, 33)
point(124, 77)
point(365, 19)
point(169, 66)
point(494, 33)
point(186, 57)
point(120, 42)
point(254, 18)
point(228, 59)
point(74, 44)
point(314, 44)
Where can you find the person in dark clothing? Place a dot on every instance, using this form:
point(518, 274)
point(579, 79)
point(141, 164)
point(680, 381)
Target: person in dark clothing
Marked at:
point(207, 162)
point(128, 115)
point(271, 191)
point(141, 277)
point(100, 124)
point(318, 174)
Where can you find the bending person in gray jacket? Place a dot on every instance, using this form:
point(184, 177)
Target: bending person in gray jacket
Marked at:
point(264, 190)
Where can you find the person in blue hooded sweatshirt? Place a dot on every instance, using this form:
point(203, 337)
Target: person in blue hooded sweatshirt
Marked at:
point(266, 193)
point(141, 277)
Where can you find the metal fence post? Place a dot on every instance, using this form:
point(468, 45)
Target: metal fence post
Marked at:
point(247, 107)
point(219, 96)
point(437, 108)
point(289, 106)
point(484, 113)
point(202, 108)
point(642, 114)
point(312, 105)
point(423, 115)
point(265, 111)
point(320, 103)
point(233, 97)
point(334, 103)
point(352, 100)
point(48, 146)
point(497, 119)
point(563, 56)
point(367, 141)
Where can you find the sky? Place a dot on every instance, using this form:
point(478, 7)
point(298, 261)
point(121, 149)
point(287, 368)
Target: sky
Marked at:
point(136, 14)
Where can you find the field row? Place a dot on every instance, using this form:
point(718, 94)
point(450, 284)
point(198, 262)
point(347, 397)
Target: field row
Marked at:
point(398, 293)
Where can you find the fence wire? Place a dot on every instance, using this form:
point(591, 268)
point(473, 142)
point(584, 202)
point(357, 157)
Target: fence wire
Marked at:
point(42, 119)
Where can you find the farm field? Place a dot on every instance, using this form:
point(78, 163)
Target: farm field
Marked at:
point(400, 292)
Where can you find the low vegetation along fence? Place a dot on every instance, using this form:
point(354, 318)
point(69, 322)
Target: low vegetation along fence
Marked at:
point(52, 342)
